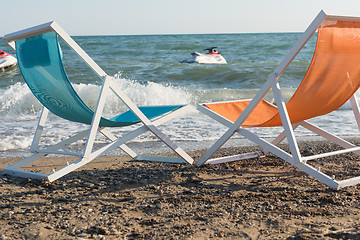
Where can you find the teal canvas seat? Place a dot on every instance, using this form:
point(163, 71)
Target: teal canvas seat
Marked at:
point(40, 61)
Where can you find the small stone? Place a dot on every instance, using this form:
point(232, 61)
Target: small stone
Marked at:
point(114, 232)
point(72, 231)
point(333, 228)
point(49, 227)
point(8, 214)
point(83, 236)
point(159, 205)
point(316, 230)
point(3, 237)
point(88, 184)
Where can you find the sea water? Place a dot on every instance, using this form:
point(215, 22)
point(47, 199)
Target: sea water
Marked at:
point(148, 69)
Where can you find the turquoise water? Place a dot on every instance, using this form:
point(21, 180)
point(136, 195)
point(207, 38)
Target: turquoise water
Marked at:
point(251, 58)
point(148, 69)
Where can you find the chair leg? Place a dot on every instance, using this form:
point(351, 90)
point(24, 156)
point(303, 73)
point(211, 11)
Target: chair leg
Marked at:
point(123, 147)
point(234, 158)
point(332, 138)
point(220, 142)
point(39, 129)
point(149, 124)
point(355, 108)
point(316, 173)
point(285, 119)
point(96, 118)
point(153, 128)
point(165, 139)
point(282, 135)
point(13, 169)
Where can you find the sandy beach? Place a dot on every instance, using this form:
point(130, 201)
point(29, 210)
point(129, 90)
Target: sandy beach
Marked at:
point(116, 198)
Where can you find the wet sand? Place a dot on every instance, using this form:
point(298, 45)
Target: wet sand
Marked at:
point(116, 198)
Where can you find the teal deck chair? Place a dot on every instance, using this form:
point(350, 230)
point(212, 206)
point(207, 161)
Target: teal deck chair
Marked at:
point(40, 62)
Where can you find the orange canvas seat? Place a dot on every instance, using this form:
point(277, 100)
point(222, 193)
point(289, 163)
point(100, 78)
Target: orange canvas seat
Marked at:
point(332, 79)
point(232, 110)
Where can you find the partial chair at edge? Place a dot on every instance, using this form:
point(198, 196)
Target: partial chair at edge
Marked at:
point(40, 61)
point(332, 79)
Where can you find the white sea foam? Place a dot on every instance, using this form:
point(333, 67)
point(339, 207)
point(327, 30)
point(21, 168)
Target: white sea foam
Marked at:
point(14, 142)
point(17, 101)
point(141, 94)
point(153, 93)
point(20, 110)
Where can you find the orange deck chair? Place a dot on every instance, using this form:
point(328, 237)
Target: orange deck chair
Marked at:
point(332, 79)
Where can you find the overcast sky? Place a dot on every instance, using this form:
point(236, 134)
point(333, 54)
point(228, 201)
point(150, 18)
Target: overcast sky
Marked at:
point(128, 17)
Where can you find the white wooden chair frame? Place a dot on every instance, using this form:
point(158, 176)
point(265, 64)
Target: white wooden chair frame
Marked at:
point(295, 157)
point(88, 154)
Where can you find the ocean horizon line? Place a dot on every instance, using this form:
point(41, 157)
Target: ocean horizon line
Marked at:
point(179, 34)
